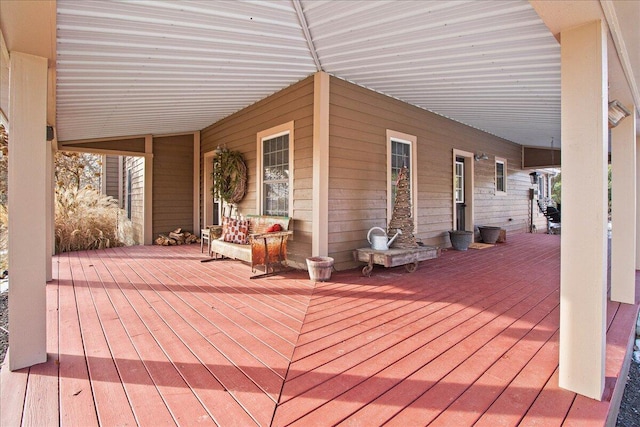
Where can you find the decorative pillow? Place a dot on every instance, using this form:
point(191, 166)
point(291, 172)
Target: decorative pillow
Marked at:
point(274, 228)
point(236, 231)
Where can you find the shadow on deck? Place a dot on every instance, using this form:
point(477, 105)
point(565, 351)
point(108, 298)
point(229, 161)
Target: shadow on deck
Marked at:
point(151, 336)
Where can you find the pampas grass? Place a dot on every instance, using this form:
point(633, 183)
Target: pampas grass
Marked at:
point(86, 219)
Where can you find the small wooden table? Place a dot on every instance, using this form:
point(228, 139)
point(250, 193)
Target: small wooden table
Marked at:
point(395, 257)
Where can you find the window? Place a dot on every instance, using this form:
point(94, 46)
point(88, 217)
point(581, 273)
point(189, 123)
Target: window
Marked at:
point(401, 151)
point(542, 186)
point(400, 156)
point(275, 155)
point(129, 187)
point(459, 184)
point(501, 175)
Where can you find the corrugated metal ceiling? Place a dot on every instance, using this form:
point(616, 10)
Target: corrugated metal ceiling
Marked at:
point(128, 68)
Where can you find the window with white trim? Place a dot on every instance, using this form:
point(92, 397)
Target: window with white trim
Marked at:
point(400, 156)
point(459, 182)
point(401, 151)
point(275, 170)
point(501, 175)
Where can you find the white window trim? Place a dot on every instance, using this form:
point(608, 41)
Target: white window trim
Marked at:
point(503, 161)
point(455, 176)
point(283, 129)
point(412, 140)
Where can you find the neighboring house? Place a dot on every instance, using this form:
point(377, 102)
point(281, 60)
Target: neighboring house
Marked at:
point(367, 133)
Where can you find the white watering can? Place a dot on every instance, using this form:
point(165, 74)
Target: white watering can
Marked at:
point(381, 243)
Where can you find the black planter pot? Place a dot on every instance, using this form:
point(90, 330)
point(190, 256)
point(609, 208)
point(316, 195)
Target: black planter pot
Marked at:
point(489, 234)
point(461, 239)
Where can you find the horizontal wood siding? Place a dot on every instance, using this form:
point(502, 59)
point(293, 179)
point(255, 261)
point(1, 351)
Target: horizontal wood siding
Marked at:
point(136, 165)
point(358, 121)
point(172, 183)
point(131, 145)
point(111, 176)
point(238, 132)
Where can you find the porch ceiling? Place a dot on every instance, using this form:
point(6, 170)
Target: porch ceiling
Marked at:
point(168, 67)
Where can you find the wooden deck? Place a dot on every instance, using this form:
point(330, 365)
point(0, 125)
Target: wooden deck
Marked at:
point(151, 336)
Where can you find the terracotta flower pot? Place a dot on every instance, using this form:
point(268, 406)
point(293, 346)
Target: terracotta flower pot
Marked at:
point(320, 268)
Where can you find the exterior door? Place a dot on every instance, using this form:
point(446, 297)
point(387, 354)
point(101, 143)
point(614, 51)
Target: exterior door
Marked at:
point(459, 193)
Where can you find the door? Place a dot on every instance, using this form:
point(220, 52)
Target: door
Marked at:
point(459, 188)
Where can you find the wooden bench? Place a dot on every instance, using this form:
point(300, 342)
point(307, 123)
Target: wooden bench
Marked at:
point(264, 248)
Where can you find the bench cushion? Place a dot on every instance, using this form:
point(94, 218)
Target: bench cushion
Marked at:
point(231, 250)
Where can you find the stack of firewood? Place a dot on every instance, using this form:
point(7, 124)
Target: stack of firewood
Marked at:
point(177, 237)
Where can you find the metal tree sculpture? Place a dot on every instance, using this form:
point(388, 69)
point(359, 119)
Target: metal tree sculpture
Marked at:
point(401, 218)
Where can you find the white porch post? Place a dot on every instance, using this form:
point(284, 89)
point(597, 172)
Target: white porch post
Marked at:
point(637, 139)
point(583, 276)
point(148, 191)
point(623, 210)
point(320, 223)
point(28, 210)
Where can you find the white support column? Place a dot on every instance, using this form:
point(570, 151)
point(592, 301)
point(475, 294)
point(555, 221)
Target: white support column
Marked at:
point(51, 211)
point(196, 183)
point(584, 210)
point(320, 223)
point(148, 190)
point(637, 138)
point(623, 210)
point(28, 210)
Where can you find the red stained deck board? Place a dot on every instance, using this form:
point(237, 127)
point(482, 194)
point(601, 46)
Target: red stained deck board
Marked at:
point(429, 312)
point(112, 404)
point(237, 349)
point(551, 405)
point(261, 321)
point(520, 394)
point(255, 401)
point(42, 389)
point(423, 377)
point(585, 411)
point(162, 315)
point(425, 403)
point(76, 399)
point(234, 283)
point(145, 400)
point(171, 292)
point(398, 360)
point(199, 379)
point(183, 402)
point(13, 388)
point(256, 338)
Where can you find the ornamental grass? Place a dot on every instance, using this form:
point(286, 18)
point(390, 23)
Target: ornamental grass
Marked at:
point(86, 219)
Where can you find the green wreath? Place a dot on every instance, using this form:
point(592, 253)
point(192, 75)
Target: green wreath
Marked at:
point(229, 177)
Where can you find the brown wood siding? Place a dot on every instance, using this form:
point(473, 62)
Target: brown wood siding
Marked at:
point(134, 145)
point(358, 121)
point(239, 131)
point(136, 165)
point(534, 157)
point(111, 176)
point(172, 184)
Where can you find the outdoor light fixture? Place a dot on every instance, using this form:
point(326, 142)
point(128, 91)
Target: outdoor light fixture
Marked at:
point(617, 112)
point(482, 156)
point(534, 178)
